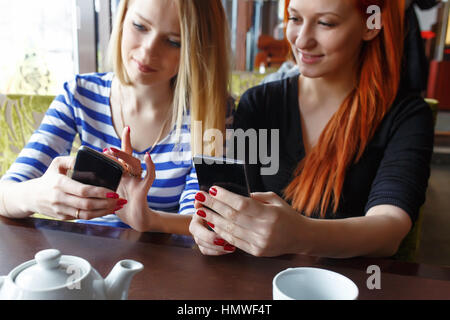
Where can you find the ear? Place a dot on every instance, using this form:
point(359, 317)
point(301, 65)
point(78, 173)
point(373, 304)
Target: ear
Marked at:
point(370, 34)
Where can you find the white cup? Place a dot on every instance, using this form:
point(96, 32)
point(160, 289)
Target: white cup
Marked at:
point(313, 284)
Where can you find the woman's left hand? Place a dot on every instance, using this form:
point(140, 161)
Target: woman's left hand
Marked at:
point(132, 186)
point(262, 225)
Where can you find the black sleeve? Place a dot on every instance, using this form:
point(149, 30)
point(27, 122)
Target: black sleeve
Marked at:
point(402, 177)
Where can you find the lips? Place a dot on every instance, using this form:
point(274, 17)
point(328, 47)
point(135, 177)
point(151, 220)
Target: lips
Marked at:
point(143, 67)
point(310, 58)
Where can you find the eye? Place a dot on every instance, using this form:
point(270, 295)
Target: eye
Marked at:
point(326, 24)
point(173, 43)
point(294, 19)
point(139, 27)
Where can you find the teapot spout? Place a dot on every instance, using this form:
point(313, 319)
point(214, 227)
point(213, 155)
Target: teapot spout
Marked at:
point(119, 279)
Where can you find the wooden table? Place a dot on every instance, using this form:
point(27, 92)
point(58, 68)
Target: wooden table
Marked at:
point(175, 269)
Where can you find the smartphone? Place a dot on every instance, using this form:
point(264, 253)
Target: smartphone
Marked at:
point(96, 169)
point(222, 172)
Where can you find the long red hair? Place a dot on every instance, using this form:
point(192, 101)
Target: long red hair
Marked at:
point(319, 178)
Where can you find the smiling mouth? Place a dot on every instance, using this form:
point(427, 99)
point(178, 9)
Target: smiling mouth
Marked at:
point(310, 58)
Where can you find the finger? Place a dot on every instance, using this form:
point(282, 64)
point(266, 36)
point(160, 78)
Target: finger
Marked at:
point(222, 208)
point(63, 164)
point(230, 230)
point(150, 175)
point(126, 140)
point(130, 163)
point(73, 187)
point(208, 241)
point(242, 205)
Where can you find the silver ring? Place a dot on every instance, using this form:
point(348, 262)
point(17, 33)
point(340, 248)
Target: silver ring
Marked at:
point(77, 214)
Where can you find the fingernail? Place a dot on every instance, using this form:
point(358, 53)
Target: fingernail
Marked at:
point(211, 225)
point(118, 208)
point(213, 191)
point(229, 247)
point(112, 195)
point(219, 242)
point(121, 202)
point(128, 129)
point(201, 213)
point(114, 149)
point(200, 197)
point(104, 150)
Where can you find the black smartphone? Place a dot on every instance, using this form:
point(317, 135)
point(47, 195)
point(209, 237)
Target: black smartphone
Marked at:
point(222, 172)
point(96, 169)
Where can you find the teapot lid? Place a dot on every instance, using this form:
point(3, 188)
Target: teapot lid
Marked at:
point(50, 271)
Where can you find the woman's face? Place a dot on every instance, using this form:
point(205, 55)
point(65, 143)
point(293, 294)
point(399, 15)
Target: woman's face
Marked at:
point(325, 35)
point(151, 41)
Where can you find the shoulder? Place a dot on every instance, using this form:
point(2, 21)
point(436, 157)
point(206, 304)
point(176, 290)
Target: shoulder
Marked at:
point(409, 108)
point(88, 80)
point(268, 94)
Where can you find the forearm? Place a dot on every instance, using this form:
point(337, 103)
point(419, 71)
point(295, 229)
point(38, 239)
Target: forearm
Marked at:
point(15, 199)
point(360, 236)
point(169, 222)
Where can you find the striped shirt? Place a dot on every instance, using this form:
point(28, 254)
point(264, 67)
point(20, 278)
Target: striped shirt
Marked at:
point(84, 109)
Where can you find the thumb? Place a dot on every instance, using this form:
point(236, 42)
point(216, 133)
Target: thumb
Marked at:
point(266, 197)
point(62, 164)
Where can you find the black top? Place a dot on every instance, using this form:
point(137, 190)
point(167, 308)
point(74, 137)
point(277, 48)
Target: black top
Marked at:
point(394, 168)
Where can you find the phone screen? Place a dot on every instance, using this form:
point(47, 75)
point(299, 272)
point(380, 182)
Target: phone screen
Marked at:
point(96, 169)
point(226, 173)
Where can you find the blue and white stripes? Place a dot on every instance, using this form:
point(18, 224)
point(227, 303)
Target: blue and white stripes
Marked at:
point(84, 109)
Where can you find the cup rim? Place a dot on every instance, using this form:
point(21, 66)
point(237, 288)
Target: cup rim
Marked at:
point(352, 285)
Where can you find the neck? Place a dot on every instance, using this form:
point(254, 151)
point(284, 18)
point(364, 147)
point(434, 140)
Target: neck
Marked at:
point(143, 98)
point(328, 88)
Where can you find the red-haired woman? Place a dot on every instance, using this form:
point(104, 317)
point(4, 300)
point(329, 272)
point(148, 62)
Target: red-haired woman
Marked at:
point(354, 149)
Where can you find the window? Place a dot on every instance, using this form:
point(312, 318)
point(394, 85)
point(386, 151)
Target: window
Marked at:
point(37, 45)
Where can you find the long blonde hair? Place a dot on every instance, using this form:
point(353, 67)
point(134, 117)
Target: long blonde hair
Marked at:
point(201, 86)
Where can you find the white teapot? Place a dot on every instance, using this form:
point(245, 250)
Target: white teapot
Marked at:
point(51, 276)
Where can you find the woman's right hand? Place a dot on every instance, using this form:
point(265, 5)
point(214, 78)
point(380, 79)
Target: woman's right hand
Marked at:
point(56, 195)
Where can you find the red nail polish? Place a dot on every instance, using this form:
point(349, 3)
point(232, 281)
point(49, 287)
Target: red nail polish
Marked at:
point(118, 208)
point(201, 213)
point(229, 247)
point(112, 195)
point(213, 192)
point(121, 202)
point(219, 242)
point(104, 150)
point(128, 129)
point(200, 197)
point(211, 225)
point(114, 149)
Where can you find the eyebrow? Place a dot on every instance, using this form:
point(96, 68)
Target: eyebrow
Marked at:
point(149, 22)
point(317, 14)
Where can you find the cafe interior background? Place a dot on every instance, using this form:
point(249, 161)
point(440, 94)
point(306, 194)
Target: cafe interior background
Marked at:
point(46, 42)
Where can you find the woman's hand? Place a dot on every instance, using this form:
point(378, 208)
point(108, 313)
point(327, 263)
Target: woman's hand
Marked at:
point(58, 196)
point(262, 225)
point(132, 186)
point(209, 242)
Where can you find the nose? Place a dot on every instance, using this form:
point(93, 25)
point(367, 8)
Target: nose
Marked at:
point(151, 45)
point(305, 37)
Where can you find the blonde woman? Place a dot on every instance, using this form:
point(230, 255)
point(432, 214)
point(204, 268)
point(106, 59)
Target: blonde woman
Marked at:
point(170, 61)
